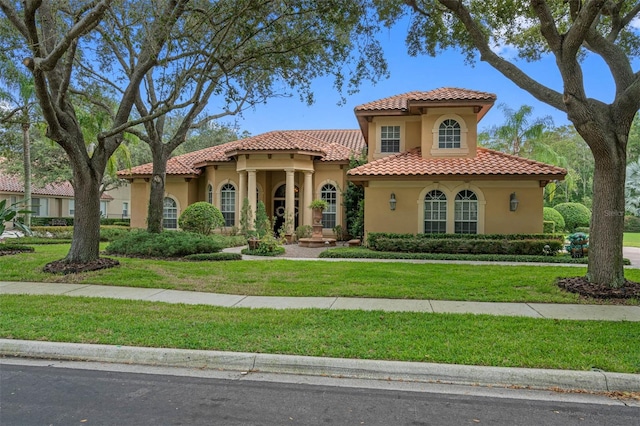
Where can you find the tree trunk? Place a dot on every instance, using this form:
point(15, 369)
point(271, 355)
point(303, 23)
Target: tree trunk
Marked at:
point(607, 221)
point(85, 246)
point(26, 152)
point(156, 196)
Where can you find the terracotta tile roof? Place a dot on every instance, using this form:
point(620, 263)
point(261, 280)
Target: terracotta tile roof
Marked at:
point(14, 184)
point(486, 163)
point(401, 102)
point(330, 145)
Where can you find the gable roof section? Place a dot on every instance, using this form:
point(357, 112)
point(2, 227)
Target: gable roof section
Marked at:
point(487, 164)
point(13, 184)
point(328, 145)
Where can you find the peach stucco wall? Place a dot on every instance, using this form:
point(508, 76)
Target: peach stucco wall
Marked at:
point(493, 205)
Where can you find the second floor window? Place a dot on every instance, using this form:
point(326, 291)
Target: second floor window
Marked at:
point(390, 139)
point(449, 134)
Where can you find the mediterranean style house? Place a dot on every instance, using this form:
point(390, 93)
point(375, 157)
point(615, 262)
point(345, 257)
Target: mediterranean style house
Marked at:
point(425, 172)
point(56, 200)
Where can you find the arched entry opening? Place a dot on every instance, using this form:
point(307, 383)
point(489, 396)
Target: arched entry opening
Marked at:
point(279, 207)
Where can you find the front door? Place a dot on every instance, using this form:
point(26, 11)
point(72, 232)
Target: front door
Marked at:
point(279, 208)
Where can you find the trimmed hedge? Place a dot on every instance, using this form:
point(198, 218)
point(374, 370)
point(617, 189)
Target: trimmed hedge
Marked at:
point(213, 256)
point(553, 215)
point(16, 247)
point(167, 244)
point(575, 215)
point(107, 233)
point(115, 221)
point(201, 218)
point(470, 245)
point(373, 237)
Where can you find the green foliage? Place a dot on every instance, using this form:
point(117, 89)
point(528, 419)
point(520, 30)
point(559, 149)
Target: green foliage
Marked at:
point(245, 217)
point(374, 236)
point(52, 221)
point(304, 231)
point(113, 221)
point(10, 246)
point(8, 213)
point(354, 200)
point(574, 214)
point(467, 245)
point(319, 204)
point(363, 253)
point(221, 256)
point(59, 232)
point(201, 218)
point(268, 246)
point(551, 214)
point(262, 224)
point(167, 244)
point(631, 224)
point(111, 233)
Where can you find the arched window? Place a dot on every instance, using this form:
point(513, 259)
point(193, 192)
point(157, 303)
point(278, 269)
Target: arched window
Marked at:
point(435, 212)
point(330, 195)
point(210, 194)
point(466, 212)
point(449, 134)
point(228, 204)
point(170, 214)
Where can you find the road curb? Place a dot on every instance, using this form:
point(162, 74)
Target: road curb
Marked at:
point(335, 367)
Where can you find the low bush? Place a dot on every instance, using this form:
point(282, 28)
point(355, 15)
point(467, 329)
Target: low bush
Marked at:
point(362, 253)
point(631, 224)
point(553, 215)
point(166, 244)
point(15, 248)
point(575, 215)
point(51, 221)
point(113, 232)
point(201, 218)
point(39, 240)
point(60, 232)
point(372, 237)
point(199, 257)
point(262, 252)
point(469, 245)
point(548, 226)
point(304, 231)
point(115, 221)
point(582, 229)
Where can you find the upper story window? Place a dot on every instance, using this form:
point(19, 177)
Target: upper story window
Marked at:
point(449, 134)
point(389, 138)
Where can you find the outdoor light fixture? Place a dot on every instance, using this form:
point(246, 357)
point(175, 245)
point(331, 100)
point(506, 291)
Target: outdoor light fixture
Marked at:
point(392, 201)
point(513, 202)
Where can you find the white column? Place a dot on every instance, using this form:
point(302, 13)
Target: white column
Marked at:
point(290, 198)
point(308, 198)
point(251, 191)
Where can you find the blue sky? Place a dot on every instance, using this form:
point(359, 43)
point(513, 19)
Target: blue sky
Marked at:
point(421, 73)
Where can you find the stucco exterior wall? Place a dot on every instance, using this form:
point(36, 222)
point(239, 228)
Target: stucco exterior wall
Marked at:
point(140, 190)
point(494, 216)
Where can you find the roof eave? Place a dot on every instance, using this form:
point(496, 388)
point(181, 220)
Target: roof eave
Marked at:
point(547, 177)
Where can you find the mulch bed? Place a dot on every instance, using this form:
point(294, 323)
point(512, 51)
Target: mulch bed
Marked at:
point(584, 288)
point(63, 267)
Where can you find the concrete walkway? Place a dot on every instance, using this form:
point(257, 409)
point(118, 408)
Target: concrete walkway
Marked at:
point(532, 310)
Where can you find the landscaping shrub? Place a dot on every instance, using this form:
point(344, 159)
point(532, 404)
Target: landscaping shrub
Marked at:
point(59, 232)
point(548, 226)
point(631, 224)
point(575, 215)
point(115, 221)
point(165, 244)
point(201, 218)
point(467, 245)
point(113, 232)
point(553, 215)
point(213, 256)
point(51, 221)
point(304, 231)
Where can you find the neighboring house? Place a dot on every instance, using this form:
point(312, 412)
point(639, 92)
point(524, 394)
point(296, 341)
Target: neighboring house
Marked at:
point(425, 172)
point(56, 199)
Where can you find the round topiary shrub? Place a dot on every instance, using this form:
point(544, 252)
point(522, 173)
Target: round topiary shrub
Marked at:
point(551, 214)
point(575, 215)
point(201, 218)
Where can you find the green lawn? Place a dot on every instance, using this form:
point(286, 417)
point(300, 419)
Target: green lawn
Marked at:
point(444, 338)
point(316, 278)
point(631, 239)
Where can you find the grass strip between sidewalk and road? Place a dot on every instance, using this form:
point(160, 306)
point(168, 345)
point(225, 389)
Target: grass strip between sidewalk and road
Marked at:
point(483, 283)
point(442, 338)
point(631, 239)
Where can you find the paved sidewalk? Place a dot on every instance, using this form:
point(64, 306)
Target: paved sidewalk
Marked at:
point(532, 310)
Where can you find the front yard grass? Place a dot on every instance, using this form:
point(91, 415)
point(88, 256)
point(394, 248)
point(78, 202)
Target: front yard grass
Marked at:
point(485, 283)
point(443, 338)
point(631, 239)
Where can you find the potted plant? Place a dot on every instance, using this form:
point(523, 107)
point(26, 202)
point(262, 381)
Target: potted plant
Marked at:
point(319, 204)
point(252, 239)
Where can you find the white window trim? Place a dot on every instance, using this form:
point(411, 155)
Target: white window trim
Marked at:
point(235, 200)
point(338, 199)
point(463, 151)
point(451, 195)
point(378, 151)
point(178, 210)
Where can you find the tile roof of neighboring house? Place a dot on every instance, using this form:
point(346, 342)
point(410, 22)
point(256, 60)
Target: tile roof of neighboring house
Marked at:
point(14, 184)
point(329, 145)
point(401, 102)
point(486, 163)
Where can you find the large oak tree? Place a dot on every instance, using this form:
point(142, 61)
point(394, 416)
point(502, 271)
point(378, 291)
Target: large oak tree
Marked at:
point(567, 30)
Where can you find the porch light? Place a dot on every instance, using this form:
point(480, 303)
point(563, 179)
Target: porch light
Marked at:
point(513, 202)
point(392, 201)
